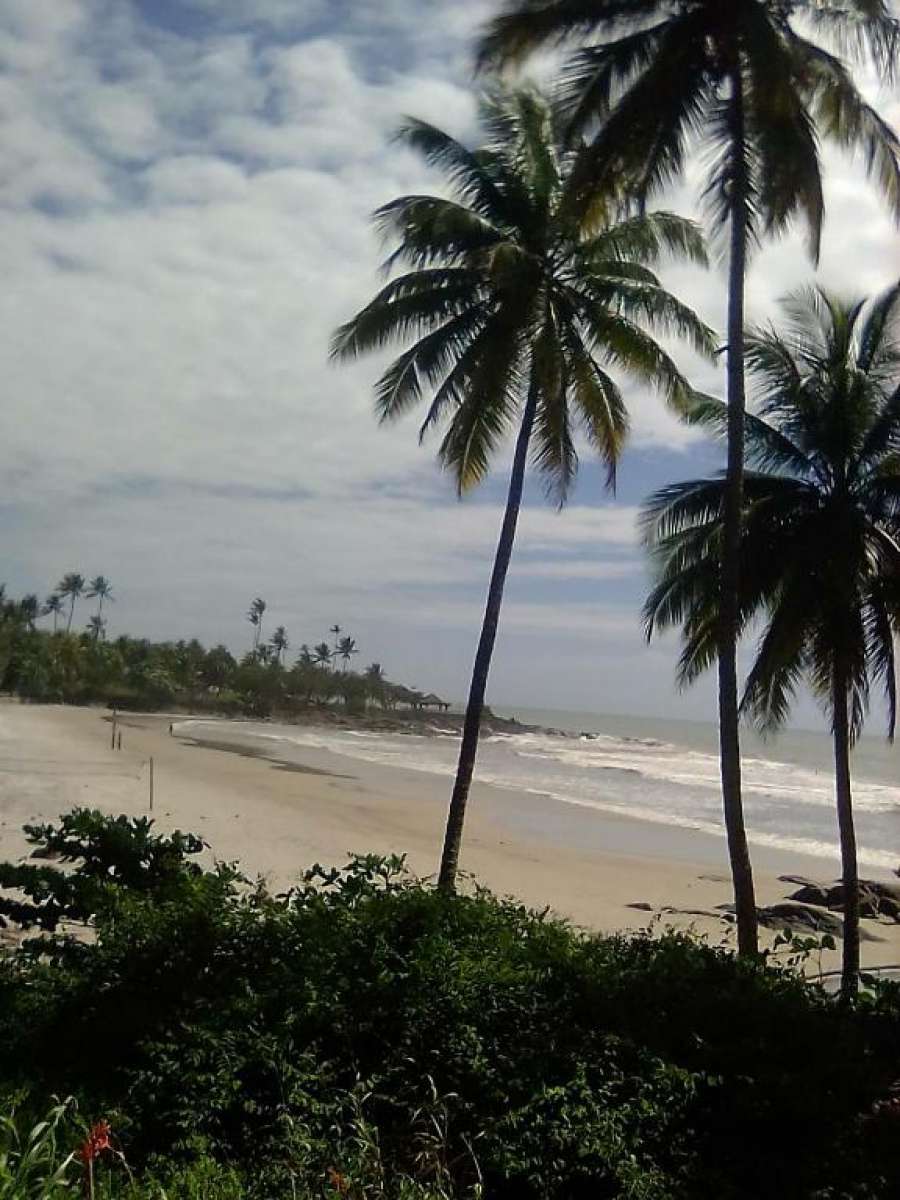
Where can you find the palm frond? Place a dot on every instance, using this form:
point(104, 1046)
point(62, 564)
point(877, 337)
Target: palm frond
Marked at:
point(857, 29)
point(408, 307)
point(882, 618)
point(781, 658)
point(877, 339)
point(486, 408)
point(528, 25)
point(400, 386)
point(431, 231)
point(648, 238)
point(467, 170)
point(844, 116)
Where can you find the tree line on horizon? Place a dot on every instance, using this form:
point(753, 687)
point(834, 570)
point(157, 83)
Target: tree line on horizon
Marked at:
point(514, 296)
point(58, 666)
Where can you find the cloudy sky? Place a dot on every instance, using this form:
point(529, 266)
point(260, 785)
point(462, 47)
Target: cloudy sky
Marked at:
point(184, 191)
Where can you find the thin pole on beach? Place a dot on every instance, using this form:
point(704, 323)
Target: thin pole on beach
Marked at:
point(112, 744)
point(151, 783)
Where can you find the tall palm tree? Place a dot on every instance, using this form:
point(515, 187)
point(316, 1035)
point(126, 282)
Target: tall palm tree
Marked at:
point(305, 658)
point(53, 605)
point(71, 586)
point(279, 643)
point(346, 649)
point(255, 617)
point(335, 631)
point(820, 560)
point(756, 82)
point(102, 589)
point(515, 311)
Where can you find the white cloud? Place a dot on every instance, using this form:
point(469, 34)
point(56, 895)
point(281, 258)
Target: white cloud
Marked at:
point(185, 220)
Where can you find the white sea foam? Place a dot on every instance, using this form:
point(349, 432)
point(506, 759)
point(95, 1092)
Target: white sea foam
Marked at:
point(789, 806)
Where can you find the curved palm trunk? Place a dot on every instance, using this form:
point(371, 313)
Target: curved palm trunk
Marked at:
point(71, 613)
point(475, 705)
point(729, 736)
point(849, 868)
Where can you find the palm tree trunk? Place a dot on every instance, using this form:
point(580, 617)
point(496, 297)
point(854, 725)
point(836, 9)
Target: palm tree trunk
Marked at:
point(729, 736)
point(850, 870)
point(71, 613)
point(475, 706)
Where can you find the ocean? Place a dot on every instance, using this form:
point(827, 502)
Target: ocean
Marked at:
point(660, 770)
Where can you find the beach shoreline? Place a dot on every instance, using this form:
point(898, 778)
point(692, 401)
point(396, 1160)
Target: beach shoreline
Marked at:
point(277, 809)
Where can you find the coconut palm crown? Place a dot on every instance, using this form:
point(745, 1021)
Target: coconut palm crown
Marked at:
point(820, 548)
point(515, 313)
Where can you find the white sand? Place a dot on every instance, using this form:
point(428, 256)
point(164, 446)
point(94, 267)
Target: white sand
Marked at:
point(277, 818)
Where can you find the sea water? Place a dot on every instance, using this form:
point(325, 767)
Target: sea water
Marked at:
point(656, 769)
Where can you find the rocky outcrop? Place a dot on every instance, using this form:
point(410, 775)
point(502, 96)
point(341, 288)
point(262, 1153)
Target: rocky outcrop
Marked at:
point(877, 900)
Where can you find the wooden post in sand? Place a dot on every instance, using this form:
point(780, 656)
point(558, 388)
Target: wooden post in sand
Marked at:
point(112, 744)
point(151, 783)
point(119, 740)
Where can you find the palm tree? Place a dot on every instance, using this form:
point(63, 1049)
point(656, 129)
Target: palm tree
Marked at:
point(53, 605)
point(376, 682)
point(102, 589)
point(759, 92)
point(72, 586)
point(323, 654)
point(305, 658)
point(346, 649)
point(820, 560)
point(255, 616)
point(96, 627)
point(335, 630)
point(279, 642)
point(515, 312)
point(29, 609)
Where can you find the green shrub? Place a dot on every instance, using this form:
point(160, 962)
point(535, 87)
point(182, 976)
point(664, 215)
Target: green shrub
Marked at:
point(478, 1044)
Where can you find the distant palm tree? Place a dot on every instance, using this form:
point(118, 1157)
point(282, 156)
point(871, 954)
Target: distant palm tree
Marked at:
point(515, 311)
point(754, 80)
point(305, 658)
point(255, 616)
point(29, 609)
point(346, 649)
point(97, 627)
point(102, 589)
point(323, 654)
point(336, 633)
point(820, 560)
point(376, 682)
point(279, 642)
point(71, 586)
point(53, 605)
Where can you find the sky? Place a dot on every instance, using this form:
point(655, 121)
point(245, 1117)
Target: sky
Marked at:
point(185, 190)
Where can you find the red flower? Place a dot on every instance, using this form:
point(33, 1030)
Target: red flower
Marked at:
point(95, 1143)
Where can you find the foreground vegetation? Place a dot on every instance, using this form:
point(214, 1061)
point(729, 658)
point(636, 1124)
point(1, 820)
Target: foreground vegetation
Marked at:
point(364, 1035)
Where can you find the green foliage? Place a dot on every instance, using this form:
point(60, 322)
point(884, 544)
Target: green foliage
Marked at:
point(424, 1045)
point(35, 1163)
point(115, 857)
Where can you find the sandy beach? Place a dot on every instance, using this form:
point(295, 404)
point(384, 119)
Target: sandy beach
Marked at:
point(279, 811)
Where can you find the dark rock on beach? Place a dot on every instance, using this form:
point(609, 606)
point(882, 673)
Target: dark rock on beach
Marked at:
point(877, 900)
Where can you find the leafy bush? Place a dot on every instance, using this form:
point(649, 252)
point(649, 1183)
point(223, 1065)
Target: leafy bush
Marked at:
point(476, 1044)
